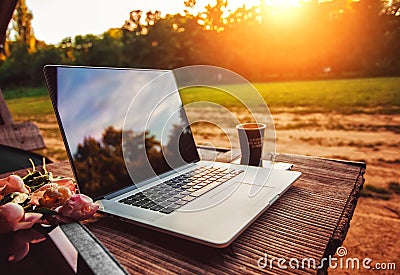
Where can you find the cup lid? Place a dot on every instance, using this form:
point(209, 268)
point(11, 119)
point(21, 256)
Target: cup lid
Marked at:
point(251, 126)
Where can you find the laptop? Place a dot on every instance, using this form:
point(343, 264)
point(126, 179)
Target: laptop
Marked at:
point(132, 150)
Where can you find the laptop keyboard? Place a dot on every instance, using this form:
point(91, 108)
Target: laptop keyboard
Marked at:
point(172, 194)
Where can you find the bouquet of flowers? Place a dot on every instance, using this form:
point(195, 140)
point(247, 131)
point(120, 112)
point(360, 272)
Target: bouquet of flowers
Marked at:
point(39, 197)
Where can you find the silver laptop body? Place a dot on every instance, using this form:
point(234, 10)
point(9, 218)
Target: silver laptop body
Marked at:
point(132, 150)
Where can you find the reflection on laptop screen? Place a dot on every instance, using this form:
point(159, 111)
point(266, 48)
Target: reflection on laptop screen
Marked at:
point(122, 126)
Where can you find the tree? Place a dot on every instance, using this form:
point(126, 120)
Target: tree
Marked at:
point(212, 18)
point(22, 25)
point(16, 69)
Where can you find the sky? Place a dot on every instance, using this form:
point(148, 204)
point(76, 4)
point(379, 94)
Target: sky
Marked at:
point(54, 20)
point(90, 100)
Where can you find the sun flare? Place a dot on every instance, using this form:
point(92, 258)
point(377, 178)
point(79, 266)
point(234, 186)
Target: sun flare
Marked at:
point(232, 4)
point(282, 3)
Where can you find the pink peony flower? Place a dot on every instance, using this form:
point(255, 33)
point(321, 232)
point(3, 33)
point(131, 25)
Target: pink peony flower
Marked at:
point(12, 184)
point(13, 218)
point(78, 207)
point(51, 195)
point(66, 182)
point(38, 194)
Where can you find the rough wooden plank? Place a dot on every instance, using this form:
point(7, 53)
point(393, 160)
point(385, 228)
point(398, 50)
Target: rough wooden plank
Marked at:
point(5, 115)
point(153, 248)
point(61, 168)
point(22, 135)
point(343, 224)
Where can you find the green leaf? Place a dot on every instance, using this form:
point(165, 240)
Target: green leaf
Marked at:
point(45, 211)
point(15, 197)
point(30, 176)
point(38, 181)
point(19, 198)
point(6, 199)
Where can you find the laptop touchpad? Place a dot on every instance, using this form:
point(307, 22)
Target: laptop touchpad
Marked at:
point(245, 194)
point(237, 192)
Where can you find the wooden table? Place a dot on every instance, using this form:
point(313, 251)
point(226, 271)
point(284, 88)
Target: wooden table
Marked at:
point(308, 222)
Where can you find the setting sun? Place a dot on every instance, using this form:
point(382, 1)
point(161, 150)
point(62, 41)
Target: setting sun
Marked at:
point(282, 3)
point(233, 4)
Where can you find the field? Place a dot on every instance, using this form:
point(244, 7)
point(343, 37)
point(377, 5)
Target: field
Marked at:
point(372, 95)
point(352, 119)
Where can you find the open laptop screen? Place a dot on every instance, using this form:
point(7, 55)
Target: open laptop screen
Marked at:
point(120, 126)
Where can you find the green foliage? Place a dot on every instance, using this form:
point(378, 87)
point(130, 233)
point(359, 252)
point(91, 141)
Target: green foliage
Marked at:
point(45, 211)
point(333, 39)
point(16, 68)
point(22, 23)
point(16, 197)
point(36, 179)
point(23, 68)
point(100, 164)
point(22, 91)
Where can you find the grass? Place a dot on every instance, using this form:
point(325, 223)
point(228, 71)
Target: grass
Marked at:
point(367, 95)
point(24, 92)
point(33, 108)
point(28, 103)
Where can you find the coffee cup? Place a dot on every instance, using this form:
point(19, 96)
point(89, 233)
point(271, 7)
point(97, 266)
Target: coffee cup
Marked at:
point(251, 139)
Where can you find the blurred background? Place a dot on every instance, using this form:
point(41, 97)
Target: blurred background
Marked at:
point(328, 70)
